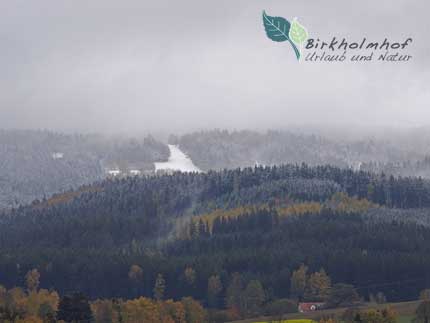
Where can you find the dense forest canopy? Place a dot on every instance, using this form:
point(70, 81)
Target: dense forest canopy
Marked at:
point(34, 164)
point(365, 229)
point(396, 153)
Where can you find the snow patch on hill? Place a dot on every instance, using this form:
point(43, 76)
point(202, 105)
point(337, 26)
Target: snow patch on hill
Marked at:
point(177, 161)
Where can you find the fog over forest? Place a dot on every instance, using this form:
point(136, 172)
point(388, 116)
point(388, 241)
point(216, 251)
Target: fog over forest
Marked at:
point(168, 67)
point(214, 161)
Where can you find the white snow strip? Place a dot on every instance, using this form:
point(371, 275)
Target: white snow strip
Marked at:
point(177, 161)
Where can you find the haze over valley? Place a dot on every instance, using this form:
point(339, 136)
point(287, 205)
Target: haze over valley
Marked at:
point(37, 164)
point(185, 162)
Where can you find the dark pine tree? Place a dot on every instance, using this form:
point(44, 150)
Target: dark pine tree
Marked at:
point(75, 308)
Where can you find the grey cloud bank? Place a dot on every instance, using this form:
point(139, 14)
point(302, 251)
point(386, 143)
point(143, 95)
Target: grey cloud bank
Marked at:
point(140, 66)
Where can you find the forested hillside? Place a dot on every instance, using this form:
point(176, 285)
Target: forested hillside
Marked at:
point(400, 154)
point(211, 235)
point(34, 164)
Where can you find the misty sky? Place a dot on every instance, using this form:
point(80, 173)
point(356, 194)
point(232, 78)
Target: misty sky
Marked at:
point(139, 66)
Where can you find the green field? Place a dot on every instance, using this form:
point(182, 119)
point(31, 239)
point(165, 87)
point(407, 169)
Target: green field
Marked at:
point(401, 319)
point(405, 319)
point(404, 310)
point(291, 321)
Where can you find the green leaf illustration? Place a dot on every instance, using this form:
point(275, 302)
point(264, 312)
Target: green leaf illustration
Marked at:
point(298, 33)
point(278, 29)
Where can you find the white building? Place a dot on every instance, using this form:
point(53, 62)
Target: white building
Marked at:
point(114, 172)
point(57, 155)
point(135, 172)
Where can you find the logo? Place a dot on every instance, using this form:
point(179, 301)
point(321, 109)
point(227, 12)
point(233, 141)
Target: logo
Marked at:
point(280, 29)
point(331, 48)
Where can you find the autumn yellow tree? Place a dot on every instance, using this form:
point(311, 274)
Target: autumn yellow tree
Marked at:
point(190, 276)
point(194, 311)
point(17, 302)
point(104, 311)
point(159, 287)
point(298, 282)
point(234, 294)
point(253, 298)
point(318, 286)
point(32, 279)
point(135, 273)
point(140, 310)
point(214, 289)
point(378, 316)
point(423, 312)
point(174, 311)
point(42, 303)
point(425, 294)
point(30, 319)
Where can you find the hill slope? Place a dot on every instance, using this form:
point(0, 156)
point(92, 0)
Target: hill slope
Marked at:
point(260, 222)
point(35, 164)
point(399, 154)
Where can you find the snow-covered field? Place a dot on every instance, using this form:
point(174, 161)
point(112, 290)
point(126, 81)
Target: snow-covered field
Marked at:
point(177, 161)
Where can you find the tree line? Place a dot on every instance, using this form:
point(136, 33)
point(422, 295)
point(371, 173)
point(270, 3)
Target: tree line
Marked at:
point(262, 223)
point(34, 305)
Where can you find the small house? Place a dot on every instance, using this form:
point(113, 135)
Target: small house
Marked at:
point(114, 172)
point(57, 155)
point(310, 307)
point(135, 172)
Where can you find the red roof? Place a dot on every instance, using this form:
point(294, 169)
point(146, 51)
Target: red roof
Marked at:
point(310, 307)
